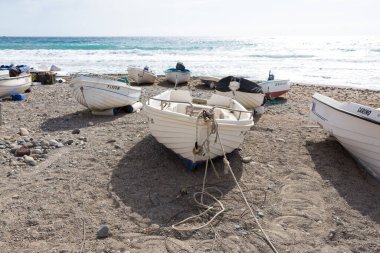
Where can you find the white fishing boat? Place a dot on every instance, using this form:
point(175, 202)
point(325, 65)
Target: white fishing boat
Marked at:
point(183, 123)
point(99, 94)
point(177, 76)
point(14, 85)
point(246, 92)
point(355, 126)
point(141, 75)
point(274, 88)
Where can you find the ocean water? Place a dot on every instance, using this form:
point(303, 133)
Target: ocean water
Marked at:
point(340, 61)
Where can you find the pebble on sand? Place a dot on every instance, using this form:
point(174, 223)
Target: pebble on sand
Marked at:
point(23, 131)
point(103, 232)
point(76, 131)
point(247, 159)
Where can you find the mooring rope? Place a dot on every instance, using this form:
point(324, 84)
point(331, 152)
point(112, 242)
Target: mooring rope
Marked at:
point(208, 116)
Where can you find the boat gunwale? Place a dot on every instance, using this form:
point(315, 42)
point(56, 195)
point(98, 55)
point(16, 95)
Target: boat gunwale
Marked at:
point(77, 81)
point(14, 77)
point(345, 111)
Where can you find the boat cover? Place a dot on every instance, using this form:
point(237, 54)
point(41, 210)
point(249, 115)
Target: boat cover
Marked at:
point(245, 85)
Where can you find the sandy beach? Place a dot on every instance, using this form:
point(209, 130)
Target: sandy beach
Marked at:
point(309, 194)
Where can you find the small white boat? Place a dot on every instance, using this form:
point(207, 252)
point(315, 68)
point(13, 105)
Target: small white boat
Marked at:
point(100, 94)
point(246, 92)
point(274, 88)
point(177, 76)
point(14, 85)
point(355, 126)
point(176, 120)
point(141, 75)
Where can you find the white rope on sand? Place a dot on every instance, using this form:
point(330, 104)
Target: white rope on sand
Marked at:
point(208, 117)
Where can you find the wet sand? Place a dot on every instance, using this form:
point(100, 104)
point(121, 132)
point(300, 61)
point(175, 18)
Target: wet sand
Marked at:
point(309, 194)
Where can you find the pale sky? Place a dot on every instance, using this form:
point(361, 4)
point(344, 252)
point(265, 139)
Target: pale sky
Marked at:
point(189, 17)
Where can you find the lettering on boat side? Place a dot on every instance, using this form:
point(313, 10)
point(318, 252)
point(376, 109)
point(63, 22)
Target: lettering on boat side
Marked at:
point(113, 87)
point(364, 111)
point(279, 84)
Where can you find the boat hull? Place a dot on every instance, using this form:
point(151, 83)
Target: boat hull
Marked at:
point(141, 76)
point(178, 132)
point(275, 88)
point(102, 94)
point(14, 85)
point(178, 76)
point(356, 127)
point(249, 100)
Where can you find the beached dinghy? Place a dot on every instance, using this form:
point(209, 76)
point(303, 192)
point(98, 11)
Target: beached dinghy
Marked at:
point(182, 123)
point(141, 75)
point(178, 75)
point(14, 85)
point(274, 88)
point(99, 94)
point(246, 92)
point(355, 126)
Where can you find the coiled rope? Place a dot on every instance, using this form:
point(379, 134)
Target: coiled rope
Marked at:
point(208, 117)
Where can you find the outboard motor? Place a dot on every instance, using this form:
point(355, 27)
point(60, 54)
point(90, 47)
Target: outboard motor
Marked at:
point(180, 66)
point(271, 76)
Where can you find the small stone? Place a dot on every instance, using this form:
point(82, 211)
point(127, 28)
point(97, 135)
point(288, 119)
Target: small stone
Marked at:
point(28, 159)
point(76, 131)
point(44, 143)
point(53, 143)
point(103, 232)
point(247, 159)
point(23, 131)
point(90, 123)
point(331, 235)
point(37, 151)
point(281, 140)
point(28, 144)
point(260, 214)
point(22, 151)
point(33, 163)
point(68, 142)
point(59, 145)
point(117, 146)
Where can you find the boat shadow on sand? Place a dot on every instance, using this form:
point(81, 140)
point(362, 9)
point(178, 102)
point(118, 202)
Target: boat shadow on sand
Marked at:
point(76, 120)
point(335, 165)
point(154, 182)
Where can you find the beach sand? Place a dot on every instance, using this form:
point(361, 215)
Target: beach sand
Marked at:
point(309, 194)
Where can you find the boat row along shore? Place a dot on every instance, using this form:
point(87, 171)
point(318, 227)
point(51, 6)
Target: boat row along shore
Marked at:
point(202, 122)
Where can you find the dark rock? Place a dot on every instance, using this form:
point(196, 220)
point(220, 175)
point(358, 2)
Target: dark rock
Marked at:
point(69, 142)
point(103, 232)
point(22, 151)
point(76, 131)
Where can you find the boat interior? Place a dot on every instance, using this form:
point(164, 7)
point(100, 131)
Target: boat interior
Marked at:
point(182, 102)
